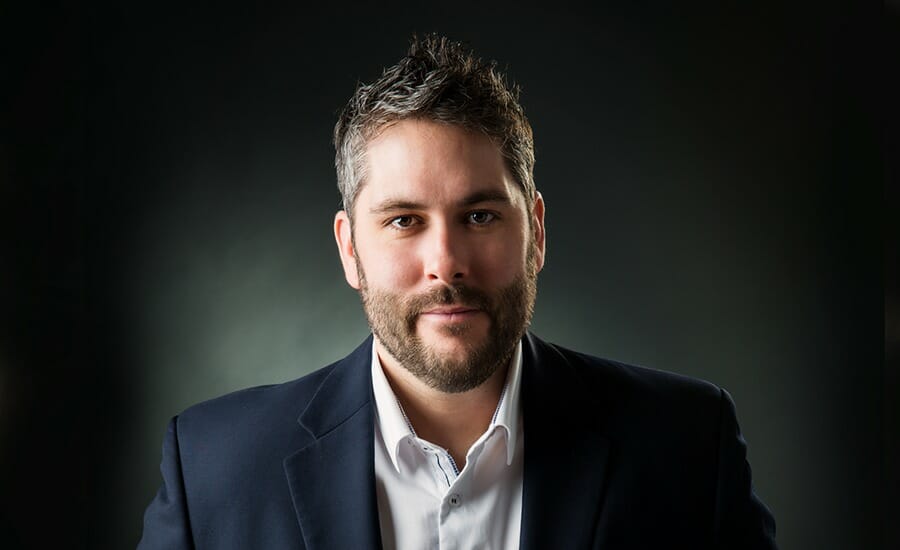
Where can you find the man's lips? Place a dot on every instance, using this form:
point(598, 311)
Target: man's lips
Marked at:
point(450, 313)
point(449, 310)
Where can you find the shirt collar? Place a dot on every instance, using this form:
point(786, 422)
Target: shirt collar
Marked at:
point(395, 427)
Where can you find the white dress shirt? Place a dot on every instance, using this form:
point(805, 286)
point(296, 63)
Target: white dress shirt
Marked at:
point(424, 502)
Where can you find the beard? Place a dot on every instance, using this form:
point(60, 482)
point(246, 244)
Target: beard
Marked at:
point(393, 318)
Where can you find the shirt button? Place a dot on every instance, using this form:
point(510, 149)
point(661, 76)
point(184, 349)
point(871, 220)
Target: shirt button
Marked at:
point(455, 500)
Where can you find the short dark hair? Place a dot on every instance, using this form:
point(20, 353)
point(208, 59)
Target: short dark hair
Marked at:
point(442, 81)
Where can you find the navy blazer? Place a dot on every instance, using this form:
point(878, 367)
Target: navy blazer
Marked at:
point(616, 457)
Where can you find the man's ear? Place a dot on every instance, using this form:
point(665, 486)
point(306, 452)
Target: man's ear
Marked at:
point(344, 237)
point(540, 237)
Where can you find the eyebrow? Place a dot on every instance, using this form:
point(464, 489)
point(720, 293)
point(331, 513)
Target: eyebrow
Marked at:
point(478, 197)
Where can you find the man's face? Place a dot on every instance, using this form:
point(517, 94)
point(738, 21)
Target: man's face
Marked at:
point(444, 252)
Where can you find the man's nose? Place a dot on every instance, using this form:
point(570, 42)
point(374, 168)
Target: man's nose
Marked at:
point(445, 255)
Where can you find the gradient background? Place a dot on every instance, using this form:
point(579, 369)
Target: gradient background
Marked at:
point(714, 207)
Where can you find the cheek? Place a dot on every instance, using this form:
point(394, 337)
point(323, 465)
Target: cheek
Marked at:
point(501, 261)
point(390, 268)
point(402, 270)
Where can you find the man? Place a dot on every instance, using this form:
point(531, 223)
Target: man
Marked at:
point(452, 427)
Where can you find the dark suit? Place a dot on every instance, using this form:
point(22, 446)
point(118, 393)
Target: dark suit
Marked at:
point(615, 457)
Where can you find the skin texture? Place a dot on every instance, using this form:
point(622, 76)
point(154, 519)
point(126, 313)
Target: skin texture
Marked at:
point(445, 253)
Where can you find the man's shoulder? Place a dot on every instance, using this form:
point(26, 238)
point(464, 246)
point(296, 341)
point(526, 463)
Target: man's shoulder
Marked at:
point(287, 399)
point(635, 378)
point(626, 394)
point(271, 403)
point(261, 420)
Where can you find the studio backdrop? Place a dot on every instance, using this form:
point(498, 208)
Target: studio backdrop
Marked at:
point(712, 209)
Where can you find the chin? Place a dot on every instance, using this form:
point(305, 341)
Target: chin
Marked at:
point(448, 342)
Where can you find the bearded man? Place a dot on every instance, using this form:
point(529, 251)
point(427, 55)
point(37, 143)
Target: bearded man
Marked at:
point(452, 426)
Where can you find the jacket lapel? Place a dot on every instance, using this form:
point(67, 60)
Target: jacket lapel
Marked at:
point(565, 453)
point(332, 479)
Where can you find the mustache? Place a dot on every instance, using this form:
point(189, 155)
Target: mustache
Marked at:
point(460, 295)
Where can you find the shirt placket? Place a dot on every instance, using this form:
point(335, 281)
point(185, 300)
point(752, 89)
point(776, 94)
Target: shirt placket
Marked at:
point(453, 529)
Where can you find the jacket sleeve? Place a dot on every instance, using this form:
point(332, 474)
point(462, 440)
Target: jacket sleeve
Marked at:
point(166, 522)
point(742, 520)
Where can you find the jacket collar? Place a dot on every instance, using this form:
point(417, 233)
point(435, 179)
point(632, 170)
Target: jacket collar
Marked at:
point(332, 479)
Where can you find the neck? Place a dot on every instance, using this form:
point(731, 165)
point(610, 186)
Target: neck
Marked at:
point(452, 420)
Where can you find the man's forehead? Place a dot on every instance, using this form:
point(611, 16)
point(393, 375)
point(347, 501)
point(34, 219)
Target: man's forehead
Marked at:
point(419, 164)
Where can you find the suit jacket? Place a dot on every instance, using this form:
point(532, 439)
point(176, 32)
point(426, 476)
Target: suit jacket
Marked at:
point(616, 457)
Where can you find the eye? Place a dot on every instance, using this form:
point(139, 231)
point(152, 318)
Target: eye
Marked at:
point(402, 222)
point(480, 217)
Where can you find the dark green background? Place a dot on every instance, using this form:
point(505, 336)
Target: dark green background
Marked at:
point(712, 180)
